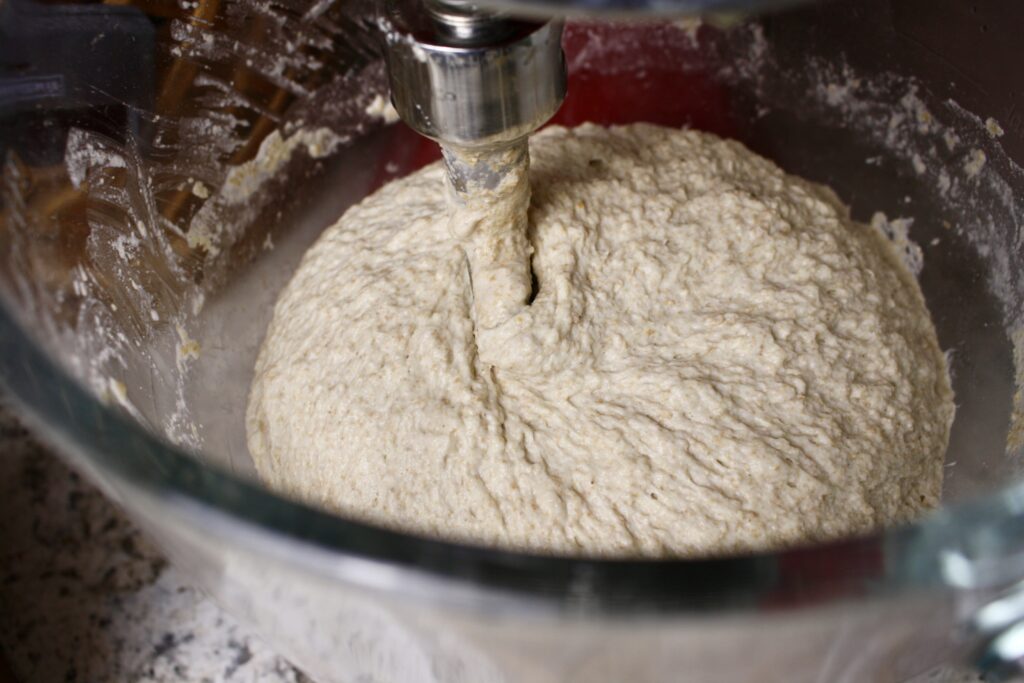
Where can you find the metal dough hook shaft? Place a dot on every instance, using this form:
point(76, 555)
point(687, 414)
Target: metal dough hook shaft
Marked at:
point(476, 82)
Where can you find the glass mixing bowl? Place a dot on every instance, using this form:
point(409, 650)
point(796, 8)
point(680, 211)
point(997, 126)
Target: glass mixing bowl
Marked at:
point(167, 162)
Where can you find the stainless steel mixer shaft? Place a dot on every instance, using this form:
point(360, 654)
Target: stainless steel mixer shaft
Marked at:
point(477, 82)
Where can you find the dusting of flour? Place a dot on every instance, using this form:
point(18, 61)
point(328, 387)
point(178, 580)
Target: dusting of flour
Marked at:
point(717, 359)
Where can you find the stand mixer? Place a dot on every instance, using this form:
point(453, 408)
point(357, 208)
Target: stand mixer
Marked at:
point(244, 131)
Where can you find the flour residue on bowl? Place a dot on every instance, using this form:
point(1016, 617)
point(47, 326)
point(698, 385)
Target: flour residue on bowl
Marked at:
point(208, 229)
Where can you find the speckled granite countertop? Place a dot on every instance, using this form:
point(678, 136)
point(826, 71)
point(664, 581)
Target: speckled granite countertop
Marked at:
point(85, 598)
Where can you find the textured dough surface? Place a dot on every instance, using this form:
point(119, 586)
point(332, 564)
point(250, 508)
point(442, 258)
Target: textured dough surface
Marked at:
point(717, 359)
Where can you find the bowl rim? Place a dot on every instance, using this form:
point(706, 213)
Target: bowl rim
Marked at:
point(964, 545)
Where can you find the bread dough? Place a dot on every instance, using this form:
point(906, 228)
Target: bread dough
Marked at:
point(717, 359)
